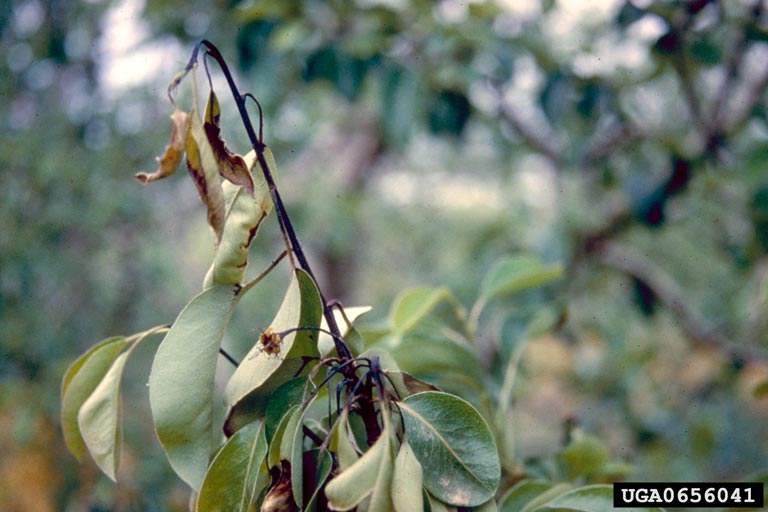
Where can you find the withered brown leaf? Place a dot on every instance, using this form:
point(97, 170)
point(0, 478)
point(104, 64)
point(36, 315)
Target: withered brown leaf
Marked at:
point(171, 158)
point(231, 166)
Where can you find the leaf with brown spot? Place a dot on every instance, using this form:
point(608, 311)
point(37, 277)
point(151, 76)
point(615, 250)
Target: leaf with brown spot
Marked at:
point(203, 168)
point(231, 166)
point(171, 158)
point(245, 213)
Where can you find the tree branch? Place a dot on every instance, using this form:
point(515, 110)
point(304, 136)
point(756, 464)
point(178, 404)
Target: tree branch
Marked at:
point(538, 142)
point(615, 256)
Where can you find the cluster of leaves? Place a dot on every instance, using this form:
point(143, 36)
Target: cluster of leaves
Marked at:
point(317, 418)
point(271, 395)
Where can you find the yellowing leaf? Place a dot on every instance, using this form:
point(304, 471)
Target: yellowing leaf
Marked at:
point(371, 476)
point(231, 166)
point(100, 416)
point(260, 373)
point(343, 442)
point(100, 419)
point(407, 481)
point(171, 158)
point(244, 216)
point(80, 381)
point(181, 383)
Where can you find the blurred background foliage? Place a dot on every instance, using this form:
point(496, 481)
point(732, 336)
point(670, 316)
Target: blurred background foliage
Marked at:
point(419, 142)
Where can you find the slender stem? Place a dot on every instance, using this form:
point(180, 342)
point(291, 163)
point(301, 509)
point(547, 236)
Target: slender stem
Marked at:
point(285, 222)
point(366, 409)
point(229, 358)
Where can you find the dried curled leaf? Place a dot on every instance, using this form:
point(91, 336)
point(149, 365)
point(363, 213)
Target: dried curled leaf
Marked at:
point(231, 166)
point(202, 166)
point(171, 158)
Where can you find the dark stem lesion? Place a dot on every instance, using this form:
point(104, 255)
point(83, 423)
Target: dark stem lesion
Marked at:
point(366, 407)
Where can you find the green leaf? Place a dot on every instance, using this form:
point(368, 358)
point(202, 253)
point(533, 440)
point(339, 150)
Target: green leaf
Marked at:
point(260, 373)
point(243, 218)
point(522, 493)
point(232, 482)
point(546, 497)
point(515, 274)
point(181, 384)
point(488, 506)
point(100, 416)
point(292, 449)
point(454, 446)
point(289, 394)
point(591, 498)
point(343, 442)
point(407, 481)
point(583, 456)
point(370, 476)
point(80, 380)
point(436, 505)
point(429, 353)
point(100, 419)
point(414, 304)
point(276, 450)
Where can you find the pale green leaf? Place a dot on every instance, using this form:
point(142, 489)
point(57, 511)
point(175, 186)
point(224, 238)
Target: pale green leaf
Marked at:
point(429, 353)
point(435, 505)
point(79, 382)
point(407, 481)
point(515, 274)
point(261, 372)
point(584, 455)
point(232, 482)
point(181, 384)
point(591, 498)
point(370, 476)
point(522, 493)
point(414, 304)
point(488, 506)
point(343, 442)
point(546, 496)
point(292, 449)
point(276, 448)
point(244, 215)
point(100, 417)
point(325, 342)
point(454, 446)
